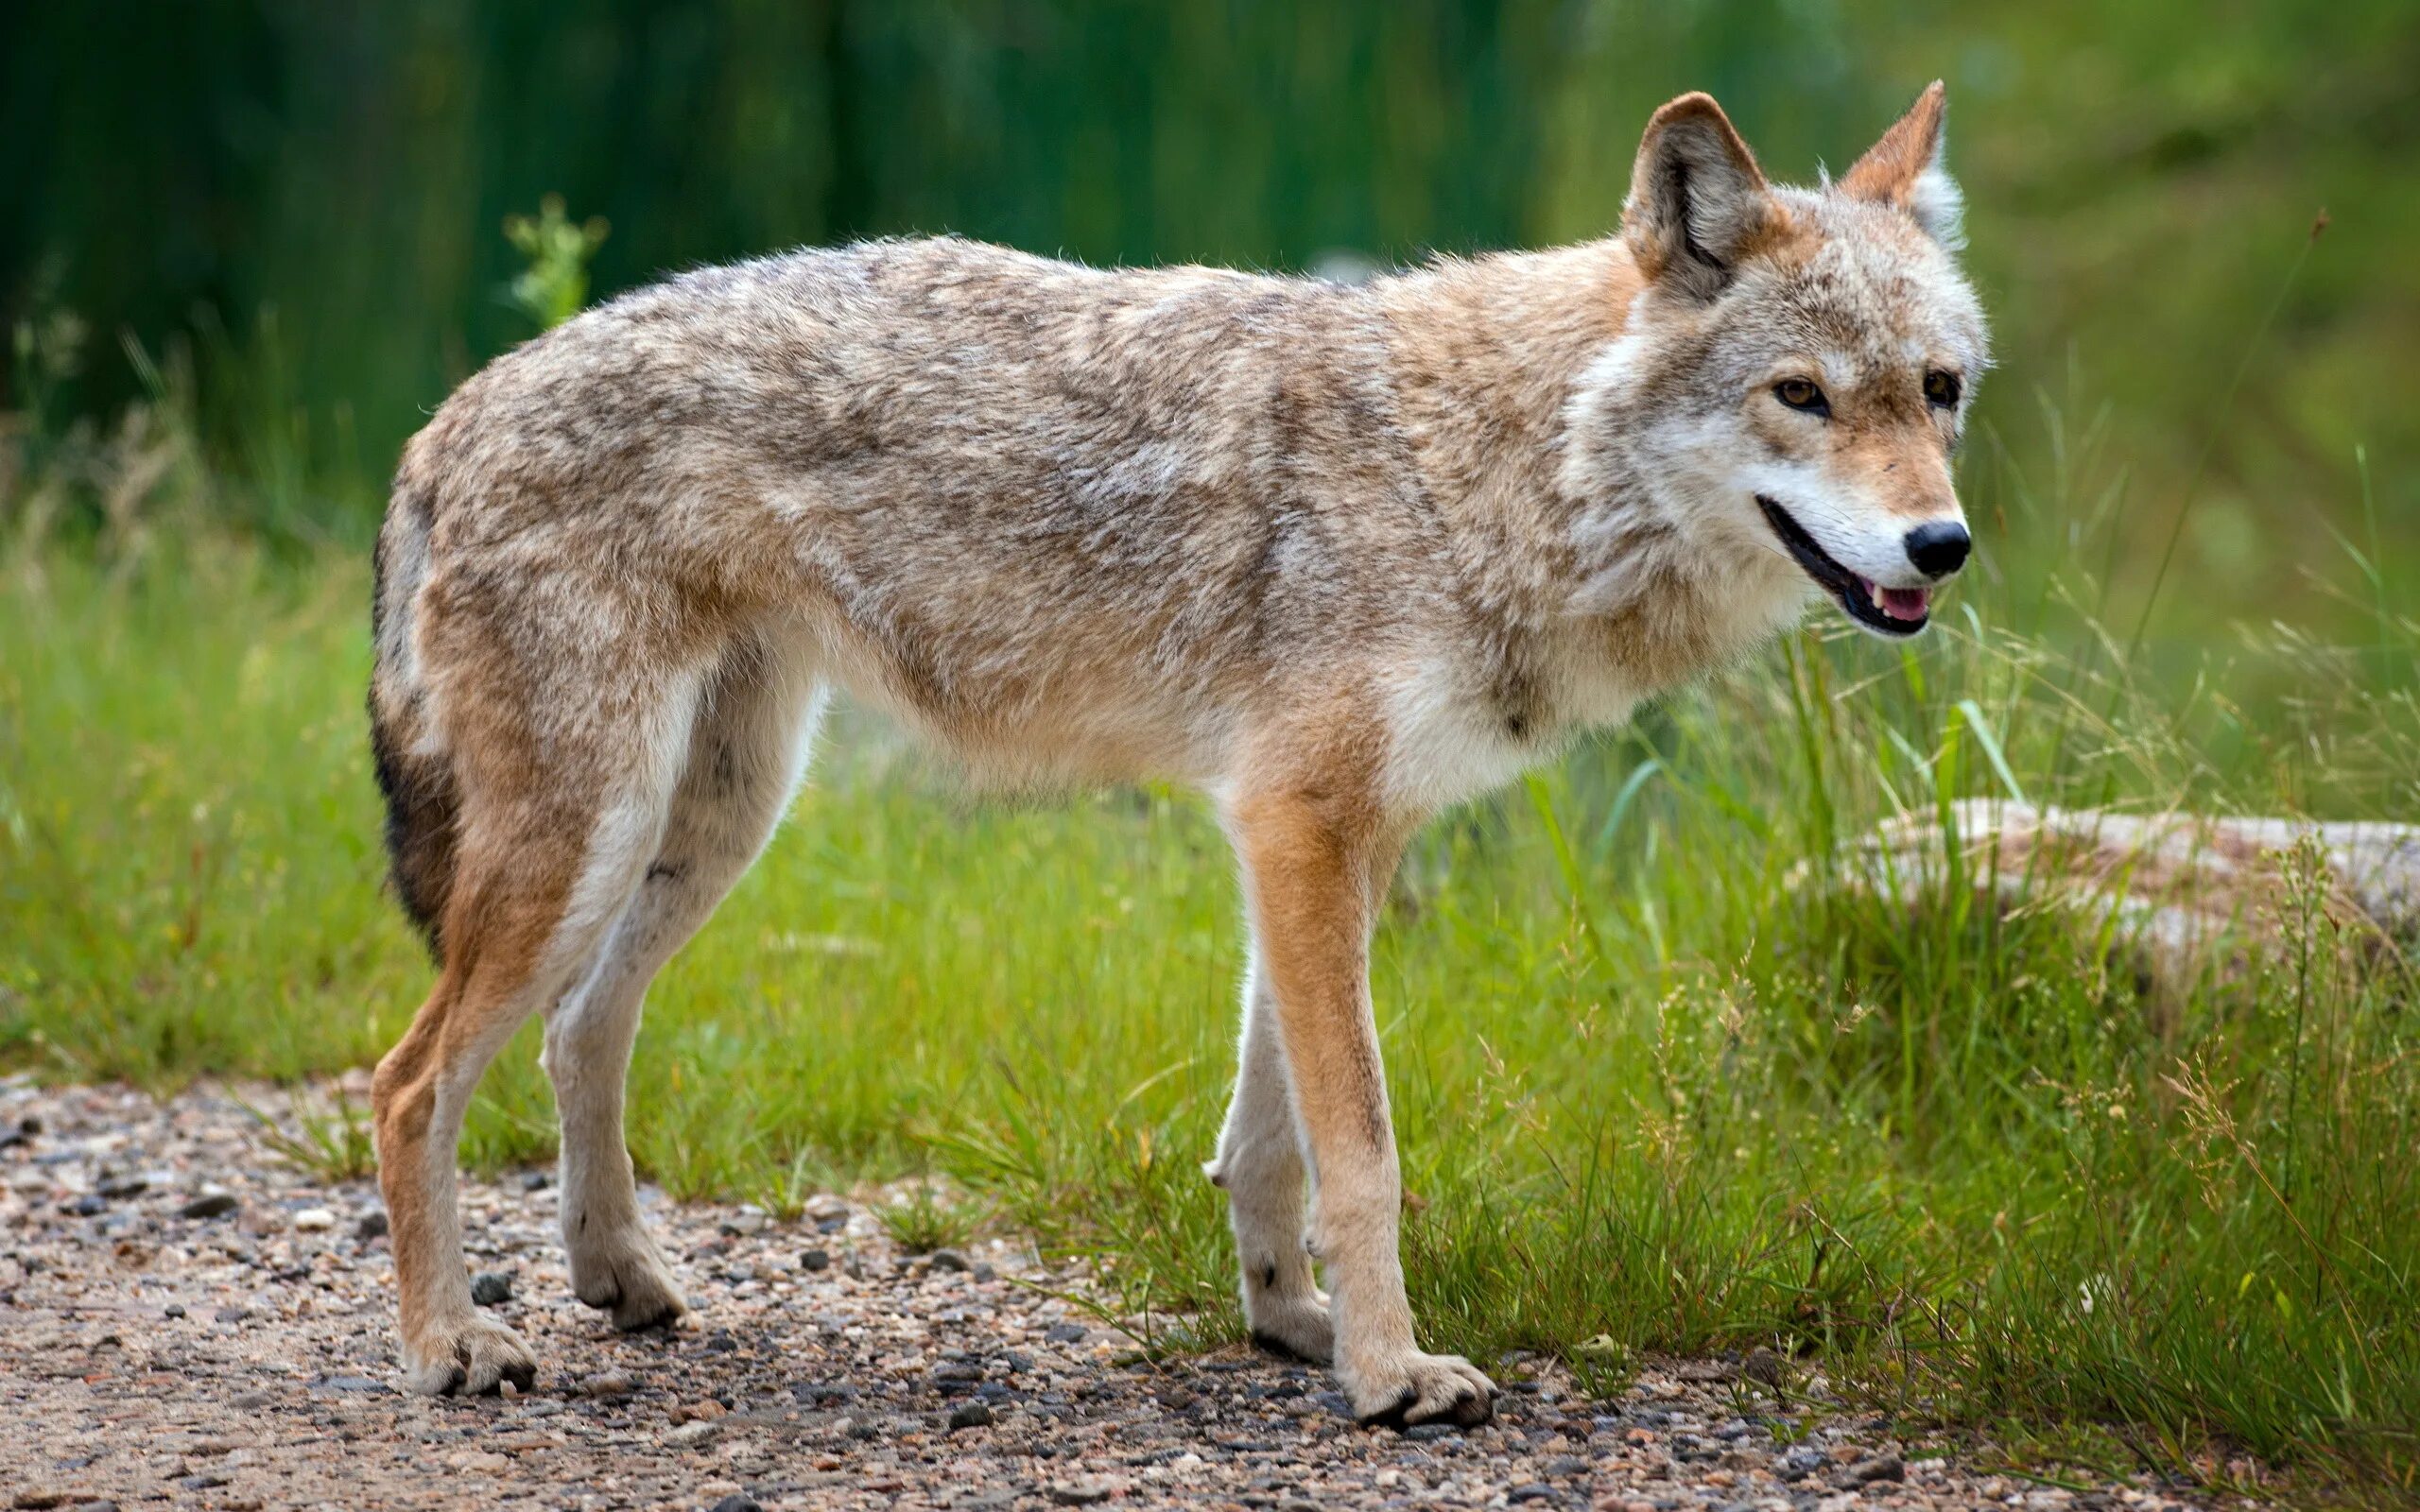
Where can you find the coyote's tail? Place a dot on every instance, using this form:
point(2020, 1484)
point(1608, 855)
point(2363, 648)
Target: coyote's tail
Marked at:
point(415, 771)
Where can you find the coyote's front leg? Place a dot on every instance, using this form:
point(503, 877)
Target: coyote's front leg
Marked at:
point(1314, 869)
point(1260, 1165)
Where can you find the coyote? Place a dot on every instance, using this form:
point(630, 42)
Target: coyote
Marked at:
point(1340, 557)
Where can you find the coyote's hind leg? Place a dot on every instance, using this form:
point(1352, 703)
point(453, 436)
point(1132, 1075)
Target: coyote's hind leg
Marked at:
point(512, 925)
point(745, 756)
point(558, 822)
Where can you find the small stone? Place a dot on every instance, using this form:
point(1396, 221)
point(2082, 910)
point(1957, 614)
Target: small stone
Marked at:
point(173, 1310)
point(314, 1220)
point(233, 1314)
point(253, 1400)
point(372, 1225)
point(1880, 1468)
point(745, 1222)
point(737, 1501)
point(1799, 1464)
point(949, 1260)
point(492, 1288)
point(535, 1181)
point(1065, 1333)
point(824, 1207)
point(89, 1205)
point(692, 1435)
point(1763, 1367)
point(985, 1273)
point(608, 1384)
point(208, 1205)
point(369, 1384)
point(1430, 1432)
point(815, 1260)
point(40, 1500)
point(1079, 1493)
point(1535, 1491)
point(118, 1188)
point(970, 1415)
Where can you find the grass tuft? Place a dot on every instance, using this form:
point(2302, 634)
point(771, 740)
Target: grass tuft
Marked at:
point(330, 1143)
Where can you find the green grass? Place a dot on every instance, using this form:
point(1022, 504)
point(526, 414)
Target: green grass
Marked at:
point(1650, 1093)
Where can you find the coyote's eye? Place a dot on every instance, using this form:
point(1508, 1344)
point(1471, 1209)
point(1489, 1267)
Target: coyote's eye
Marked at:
point(1942, 389)
point(1800, 394)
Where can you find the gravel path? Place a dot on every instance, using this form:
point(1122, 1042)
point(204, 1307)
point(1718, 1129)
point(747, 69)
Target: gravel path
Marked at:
point(184, 1319)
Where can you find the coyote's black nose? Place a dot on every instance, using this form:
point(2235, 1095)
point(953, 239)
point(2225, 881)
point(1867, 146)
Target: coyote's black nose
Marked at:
point(1939, 548)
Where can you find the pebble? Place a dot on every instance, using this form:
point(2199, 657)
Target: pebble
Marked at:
point(815, 1260)
point(948, 1260)
point(607, 1384)
point(1800, 1463)
point(492, 1288)
point(690, 1435)
point(737, 1501)
point(1881, 1468)
point(970, 1415)
point(372, 1225)
point(314, 1220)
point(208, 1205)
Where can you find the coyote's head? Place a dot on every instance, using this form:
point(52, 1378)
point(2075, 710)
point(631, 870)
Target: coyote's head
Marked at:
point(1793, 375)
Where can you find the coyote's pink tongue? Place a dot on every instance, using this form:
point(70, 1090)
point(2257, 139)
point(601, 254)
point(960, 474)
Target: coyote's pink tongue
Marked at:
point(1906, 603)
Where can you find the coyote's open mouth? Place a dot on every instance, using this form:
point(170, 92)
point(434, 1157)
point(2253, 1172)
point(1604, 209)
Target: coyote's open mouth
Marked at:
point(1890, 610)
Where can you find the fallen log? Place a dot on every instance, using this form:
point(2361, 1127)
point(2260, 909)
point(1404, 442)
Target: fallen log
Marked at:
point(2179, 894)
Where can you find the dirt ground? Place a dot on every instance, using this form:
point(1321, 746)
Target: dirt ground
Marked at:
point(186, 1319)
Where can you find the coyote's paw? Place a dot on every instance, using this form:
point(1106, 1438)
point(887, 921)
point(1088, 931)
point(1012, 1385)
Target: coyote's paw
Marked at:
point(1412, 1388)
point(467, 1358)
point(625, 1276)
point(1299, 1324)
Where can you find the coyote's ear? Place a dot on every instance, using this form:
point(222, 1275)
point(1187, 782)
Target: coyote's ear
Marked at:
point(1698, 201)
point(1904, 170)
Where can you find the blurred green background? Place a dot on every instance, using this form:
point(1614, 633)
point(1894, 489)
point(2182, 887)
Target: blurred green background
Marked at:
point(309, 199)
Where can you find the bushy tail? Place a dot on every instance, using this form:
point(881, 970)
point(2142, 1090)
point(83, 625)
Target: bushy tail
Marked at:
point(415, 772)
